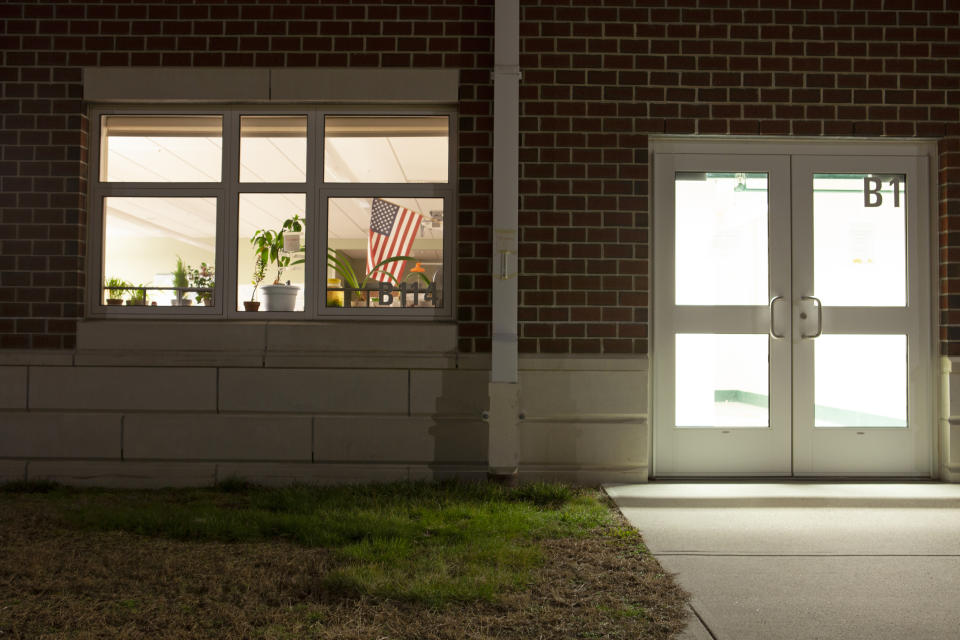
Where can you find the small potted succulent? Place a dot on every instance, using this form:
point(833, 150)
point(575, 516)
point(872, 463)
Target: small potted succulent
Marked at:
point(115, 288)
point(269, 247)
point(204, 280)
point(259, 273)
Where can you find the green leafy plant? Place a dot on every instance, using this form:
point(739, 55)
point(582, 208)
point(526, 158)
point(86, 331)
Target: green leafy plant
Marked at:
point(138, 296)
point(350, 277)
point(202, 278)
point(259, 273)
point(268, 245)
point(180, 275)
point(115, 288)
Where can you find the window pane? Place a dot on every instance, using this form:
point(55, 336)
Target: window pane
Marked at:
point(860, 250)
point(162, 248)
point(161, 148)
point(275, 217)
point(721, 238)
point(386, 149)
point(273, 149)
point(860, 381)
point(365, 232)
point(722, 380)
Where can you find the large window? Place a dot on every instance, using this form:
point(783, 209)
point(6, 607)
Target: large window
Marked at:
point(292, 213)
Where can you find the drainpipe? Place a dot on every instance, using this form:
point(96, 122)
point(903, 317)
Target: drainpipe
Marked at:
point(504, 390)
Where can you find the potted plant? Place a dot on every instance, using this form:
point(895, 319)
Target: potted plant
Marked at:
point(180, 283)
point(358, 285)
point(138, 296)
point(115, 288)
point(202, 279)
point(259, 273)
point(268, 245)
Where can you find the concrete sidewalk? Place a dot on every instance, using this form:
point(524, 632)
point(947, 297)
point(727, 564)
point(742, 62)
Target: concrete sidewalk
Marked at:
point(805, 560)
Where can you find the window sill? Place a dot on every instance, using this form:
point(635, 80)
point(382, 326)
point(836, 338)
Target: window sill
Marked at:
point(266, 343)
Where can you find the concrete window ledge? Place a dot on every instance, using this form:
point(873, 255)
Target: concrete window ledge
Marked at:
point(267, 343)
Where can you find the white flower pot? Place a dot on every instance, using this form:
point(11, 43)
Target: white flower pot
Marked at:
point(279, 297)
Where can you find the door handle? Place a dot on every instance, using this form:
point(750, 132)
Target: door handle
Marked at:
point(819, 317)
point(773, 334)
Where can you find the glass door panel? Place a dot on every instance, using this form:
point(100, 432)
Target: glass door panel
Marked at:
point(721, 221)
point(721, 237)
point(859, 243)
point(862, 338)
point(722, 380)
point(860, 381)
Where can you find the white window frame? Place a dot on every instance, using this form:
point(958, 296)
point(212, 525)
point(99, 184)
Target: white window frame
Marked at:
point(227, 193)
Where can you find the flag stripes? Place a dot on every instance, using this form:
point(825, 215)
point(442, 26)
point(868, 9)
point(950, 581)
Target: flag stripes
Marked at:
point(392, 231)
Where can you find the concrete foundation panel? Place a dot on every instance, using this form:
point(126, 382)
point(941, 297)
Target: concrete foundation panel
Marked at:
point(408, 439)
point(58, 435)
point(285, 474)
point(314, 391)
point(13, 387)
point(12, 471)
point(132, 475)
point(577, 393)
point(207, 437)
point(397, 337)
point(123, 388)
point(448, 392)
point(584, 443)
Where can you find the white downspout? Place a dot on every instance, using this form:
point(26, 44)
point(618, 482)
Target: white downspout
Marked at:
point(504, 390)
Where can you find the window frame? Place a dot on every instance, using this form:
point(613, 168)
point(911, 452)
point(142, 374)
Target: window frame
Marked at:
point(227, 193)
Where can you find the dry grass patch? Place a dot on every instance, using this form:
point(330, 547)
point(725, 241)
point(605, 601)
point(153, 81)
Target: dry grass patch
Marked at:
point(67, 572)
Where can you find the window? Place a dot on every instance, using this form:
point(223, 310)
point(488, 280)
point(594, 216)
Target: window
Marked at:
point(294, 212)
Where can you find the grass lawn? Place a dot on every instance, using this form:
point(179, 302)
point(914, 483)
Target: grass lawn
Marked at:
point(409, 560)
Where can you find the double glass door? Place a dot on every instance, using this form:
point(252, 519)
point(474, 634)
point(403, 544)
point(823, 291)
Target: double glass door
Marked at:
point(791, 315)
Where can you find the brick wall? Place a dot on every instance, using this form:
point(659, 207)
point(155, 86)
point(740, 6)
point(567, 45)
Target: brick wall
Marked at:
point(949, 214)
point(43, 161)
point(599, 76)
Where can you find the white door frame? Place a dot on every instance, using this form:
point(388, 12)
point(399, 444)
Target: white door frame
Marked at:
point(731, 147)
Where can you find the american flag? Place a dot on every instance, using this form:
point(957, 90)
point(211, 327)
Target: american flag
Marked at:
point(392, 231)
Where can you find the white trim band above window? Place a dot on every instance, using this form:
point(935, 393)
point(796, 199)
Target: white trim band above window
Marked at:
point(215, 85)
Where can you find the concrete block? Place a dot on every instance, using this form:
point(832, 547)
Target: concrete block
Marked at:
point(321, 359)
point(423, 86)
point(169, 358)
point(13, 387)
point(153, 84)
point(584, 443)
point(448, 392)
point(954, 446)
point(280, 474)
point(59, 435)
point(564, 362)
point(363, 337)
point(583, 393)
point(314, 390)
point(583, 476)
point(12, 471)
point(399, 439)
point(123, 388)
point(128, 475)
point(131, 335)
point(25, 357)
point(216, 437)
point(954, 397)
